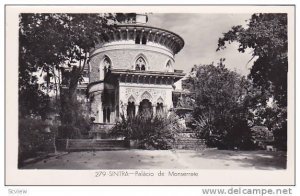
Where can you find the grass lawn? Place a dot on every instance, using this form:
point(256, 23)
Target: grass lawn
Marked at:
point(165, 159)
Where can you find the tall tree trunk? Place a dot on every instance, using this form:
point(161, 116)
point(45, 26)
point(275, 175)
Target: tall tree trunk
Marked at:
point(69, 97)
point(56, 88)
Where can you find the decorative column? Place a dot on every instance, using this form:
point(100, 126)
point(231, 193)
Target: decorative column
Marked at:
point(112, 114)
point(125, 110)
point(154, 109)
point(97, 108)
point(136, 109)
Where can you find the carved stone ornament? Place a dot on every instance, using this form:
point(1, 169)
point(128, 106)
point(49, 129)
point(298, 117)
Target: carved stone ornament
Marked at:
point(138, 94)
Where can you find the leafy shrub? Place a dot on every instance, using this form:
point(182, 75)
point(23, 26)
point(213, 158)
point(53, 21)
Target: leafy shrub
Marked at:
point(83, 124)
point(69, 132)
point(35, 137)
point(238, 136)
point(262, 136)
point(280, 135)
point(74, 113)
point(152, 131)
point(224, 133)
point(78, 123)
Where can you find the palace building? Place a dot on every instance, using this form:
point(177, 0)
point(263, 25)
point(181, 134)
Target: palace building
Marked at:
point(132, 70)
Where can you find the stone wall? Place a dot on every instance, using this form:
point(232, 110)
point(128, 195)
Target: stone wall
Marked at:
point(190, 144)
point(124, 58)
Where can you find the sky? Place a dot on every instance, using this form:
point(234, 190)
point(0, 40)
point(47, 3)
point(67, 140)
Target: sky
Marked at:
point(201, 33)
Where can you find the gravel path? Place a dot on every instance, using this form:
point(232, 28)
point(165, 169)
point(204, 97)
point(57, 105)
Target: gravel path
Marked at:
point(165, 159)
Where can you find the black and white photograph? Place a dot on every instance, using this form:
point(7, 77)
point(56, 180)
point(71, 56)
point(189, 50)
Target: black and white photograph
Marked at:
point(139, 90)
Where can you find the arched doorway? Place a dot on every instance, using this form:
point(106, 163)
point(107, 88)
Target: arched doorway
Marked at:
point(130, 109)
point(145, 107)
point(159, 108)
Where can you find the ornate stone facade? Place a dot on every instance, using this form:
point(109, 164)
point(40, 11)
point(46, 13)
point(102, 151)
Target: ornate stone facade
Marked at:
point(138, 94)
point(131, 69)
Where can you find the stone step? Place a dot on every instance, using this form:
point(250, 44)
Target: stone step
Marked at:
point(97, 141)
point(90, 144)
point(94, 144)
point(97, 149)
point(190, 143)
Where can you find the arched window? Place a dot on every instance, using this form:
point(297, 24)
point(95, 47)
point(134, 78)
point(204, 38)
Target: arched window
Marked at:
point(169, 66)
point(106, 65)
point(137, 67)
point(140, 64)
point(159, 106)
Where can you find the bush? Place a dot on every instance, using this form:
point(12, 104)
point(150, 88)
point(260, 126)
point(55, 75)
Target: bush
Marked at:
point(238, 136)
point(75, 119)
point(69, 132)
point(152, 131)
point(262, 136)
point(280, 135)
point(76, 129)
point(224, 133)
point(35, 137)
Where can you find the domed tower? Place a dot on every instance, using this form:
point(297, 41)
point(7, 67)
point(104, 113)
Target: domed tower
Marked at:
point(132, 70)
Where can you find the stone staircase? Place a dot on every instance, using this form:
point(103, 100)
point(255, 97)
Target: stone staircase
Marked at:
point(189, 143)
point(93, 144)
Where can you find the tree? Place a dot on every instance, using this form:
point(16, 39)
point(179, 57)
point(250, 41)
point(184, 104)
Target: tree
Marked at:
point(32, 101)
point(50, 41)
point(221, 110)
point(266, 35)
